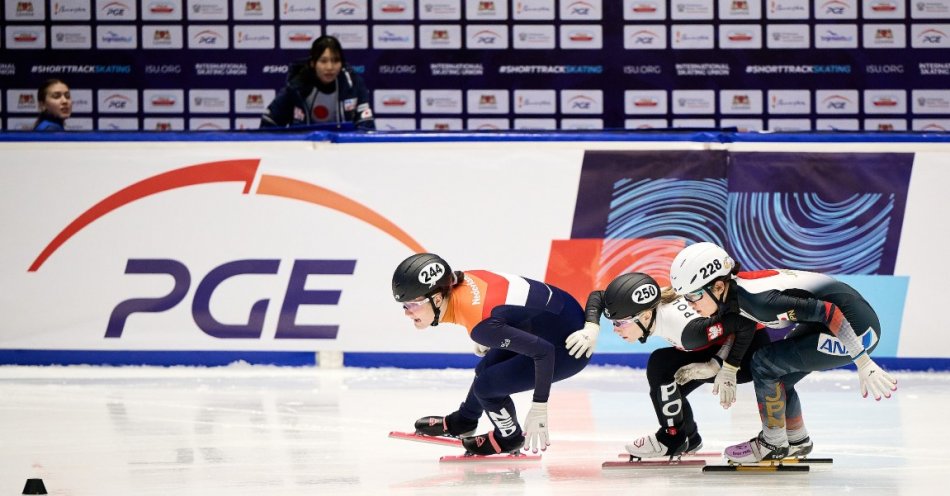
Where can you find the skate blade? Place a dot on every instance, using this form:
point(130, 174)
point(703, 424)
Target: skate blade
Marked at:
point(698, 454)
point(761, 467)
point(501, 457)
point(423, 438)
point(641, 464)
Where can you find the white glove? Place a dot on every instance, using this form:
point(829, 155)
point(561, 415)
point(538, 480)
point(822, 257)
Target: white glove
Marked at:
point(873, 378)
point(481, 350)
point(583, 340)
point(697, 371)
point(536, 427)
point(725, 385)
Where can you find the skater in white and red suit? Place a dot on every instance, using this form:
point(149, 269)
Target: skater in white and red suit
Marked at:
point(640, 309)
point(835, 326)
point(519, 325)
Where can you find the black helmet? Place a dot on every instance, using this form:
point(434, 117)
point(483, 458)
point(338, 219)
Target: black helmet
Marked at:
point(630, 294)
point(422, 274)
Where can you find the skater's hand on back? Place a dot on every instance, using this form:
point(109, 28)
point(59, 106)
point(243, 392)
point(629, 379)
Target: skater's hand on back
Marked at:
point(536, 428)
point(873, 378)
point(697, 371)
point(725, 385)
point(481, 350)
point(583, 341)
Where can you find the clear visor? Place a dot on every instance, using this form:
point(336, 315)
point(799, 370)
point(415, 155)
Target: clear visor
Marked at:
point(412, 306)
point(695, 295)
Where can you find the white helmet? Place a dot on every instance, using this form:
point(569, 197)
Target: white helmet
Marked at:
point(698, 265)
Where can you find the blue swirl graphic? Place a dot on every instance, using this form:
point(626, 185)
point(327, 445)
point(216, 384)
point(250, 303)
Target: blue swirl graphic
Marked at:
point(802, 231)
point(648, 209)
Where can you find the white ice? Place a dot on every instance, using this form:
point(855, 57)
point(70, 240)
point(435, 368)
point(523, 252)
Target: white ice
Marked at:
point(253, 430)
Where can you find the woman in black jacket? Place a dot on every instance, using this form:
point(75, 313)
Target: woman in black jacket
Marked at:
point(323, 90)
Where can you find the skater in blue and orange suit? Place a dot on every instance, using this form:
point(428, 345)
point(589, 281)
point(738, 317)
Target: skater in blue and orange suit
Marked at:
point(519, 325)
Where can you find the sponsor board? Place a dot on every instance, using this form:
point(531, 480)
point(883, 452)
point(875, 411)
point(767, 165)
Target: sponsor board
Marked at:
point(487, 102)
point(535, 101)
point(789, 125)
point(581, 10)
point(582, 102)
point(885, 101)
point(252, 10)
point(884, 36)
point(162, 37)
point(486, 36)
point(440, 36)
point(740, 102)
point(645, 102)
point(207, 101)
point(441, 102)
point(71, 37)
point(440, 10)
point(789, 102)
point(643, 124)
point(644, 37)
point(117, 101)
point(487, 124)
point(837, 125)
point(693, 102)
point(440, 124)
point(394, 101)
point(836, 101)
point(644, 10)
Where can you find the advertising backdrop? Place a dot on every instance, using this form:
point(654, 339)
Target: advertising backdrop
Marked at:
point(778, 65)
point(289, 246)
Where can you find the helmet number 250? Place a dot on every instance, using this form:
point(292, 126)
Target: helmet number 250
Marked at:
point(645, 293)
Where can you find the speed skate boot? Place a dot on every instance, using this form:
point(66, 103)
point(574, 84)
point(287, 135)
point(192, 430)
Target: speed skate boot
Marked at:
point(660, 444)
point(453, 425)
point(492, 444)
point(695, 443)
point(755, 450)
point(800, 448)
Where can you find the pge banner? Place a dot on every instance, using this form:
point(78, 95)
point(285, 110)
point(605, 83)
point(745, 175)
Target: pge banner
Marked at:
point(288, 246)
point(778, 65)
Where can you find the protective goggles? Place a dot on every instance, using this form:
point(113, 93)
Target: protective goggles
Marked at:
point(412, 306)
point(695, 295)
point(624, 322)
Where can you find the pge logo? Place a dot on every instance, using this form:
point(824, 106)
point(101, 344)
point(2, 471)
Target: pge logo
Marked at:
point(581, 103)
point(835, 7)
point(207, 37)
point(580, 8)
point(486, 37)
point(114, 9)
point(295, 295)
point(117, 102)
point(644, 37)
point(346, 9)
point(932, 36)
point(837, 102)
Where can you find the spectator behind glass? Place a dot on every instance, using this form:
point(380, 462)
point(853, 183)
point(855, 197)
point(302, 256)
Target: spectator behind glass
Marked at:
point(56, 105)
point(321, 90)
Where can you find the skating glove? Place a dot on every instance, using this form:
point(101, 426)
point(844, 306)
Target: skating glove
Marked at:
point(725, 385)
point(874, 379)
point(697, 371)
point(583, 341)
point(536, 428)
point(481, 350)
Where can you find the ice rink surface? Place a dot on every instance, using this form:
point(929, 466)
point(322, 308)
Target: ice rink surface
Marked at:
point(253, 430)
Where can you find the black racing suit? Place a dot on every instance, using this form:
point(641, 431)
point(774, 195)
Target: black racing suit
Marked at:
point(834, 324)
